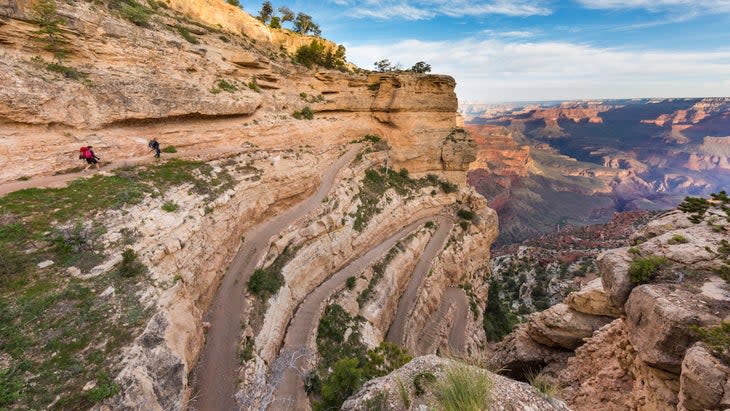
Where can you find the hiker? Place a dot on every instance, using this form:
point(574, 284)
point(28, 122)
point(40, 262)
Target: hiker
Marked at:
point(86, 153)
point(155, 145)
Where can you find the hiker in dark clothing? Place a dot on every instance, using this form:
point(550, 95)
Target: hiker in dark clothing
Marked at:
point(155, 145)
point(86, 153)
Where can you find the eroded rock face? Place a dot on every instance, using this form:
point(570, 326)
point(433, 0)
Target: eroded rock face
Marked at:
point(561, 326)
point(613, 266)
point(519, 355)
point(458, 151)
point(505, 394)
point(659, 318)
point(705, 381)
point(592, 299)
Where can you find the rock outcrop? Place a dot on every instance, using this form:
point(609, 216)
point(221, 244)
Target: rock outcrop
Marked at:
point(648, 358)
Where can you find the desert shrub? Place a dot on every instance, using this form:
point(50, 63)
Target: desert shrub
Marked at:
point(463, 389)
point(643, 269)
point(466, 214)
point(253, 85)
point(50, 32)
point(304, 114)
point(634, 251)
point(498, 320)
point(130, 265)
point(448, 187)
point(245, 352)
point(169, 149)
point(264, 283)
point(542, 384)
point(345, 379)
point(223, 85)
point(421, 381)
point(235, 3)
point(678, 239)
point(170, 206)
point(317, 53)
point(350, 283)
point(132, 11)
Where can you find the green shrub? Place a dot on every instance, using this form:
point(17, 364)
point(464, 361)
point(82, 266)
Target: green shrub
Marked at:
point(643, 269)
point(253, 85)
point(498, 320)
point(264, 284)
point(245, 352)
point(317, 53)
point(169, 149)
point(678, 239)
point(304, 114)
point(345, 379)
point(466, 214)
point(634, 251)
point(135, 12)
point(130, 265)
point(235, 3)
point(430, 225)
point(351, 282)
point(463, 389)
point(185, 33)
point(421, 381)
point(696, 206)
point(170, 206)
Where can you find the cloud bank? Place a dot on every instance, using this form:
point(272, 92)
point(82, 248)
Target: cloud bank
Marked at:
point(428, 9)
point(497, 69)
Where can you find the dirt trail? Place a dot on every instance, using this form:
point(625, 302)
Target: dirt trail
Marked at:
point(289, 391)
point(60, 180)
point(408, 300)
point(215, 377)
point(453, 297)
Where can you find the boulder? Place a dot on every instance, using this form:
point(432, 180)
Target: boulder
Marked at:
point(659, 318)
point(613, 266)
point(518, 355)
point(592, 299)
point(561, 326)
point(705, 381)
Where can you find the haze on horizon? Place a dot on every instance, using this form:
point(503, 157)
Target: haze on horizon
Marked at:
point(541, 50)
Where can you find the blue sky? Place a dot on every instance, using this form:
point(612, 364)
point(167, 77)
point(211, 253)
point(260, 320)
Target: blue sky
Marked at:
point(516, 50)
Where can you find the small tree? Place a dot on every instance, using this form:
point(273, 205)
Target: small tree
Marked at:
point(275, 22)
point(286, 14)
point(421, 67)
point(267, 10)
point(303, 24)
point(386, 66)
point(50, 32)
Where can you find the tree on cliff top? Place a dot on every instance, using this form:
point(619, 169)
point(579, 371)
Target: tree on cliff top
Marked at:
point(286, 14)
point(50, 32)
point(267, 10)
point(303, 24)
point(421, 67)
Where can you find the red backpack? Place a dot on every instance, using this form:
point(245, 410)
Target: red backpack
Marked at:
point(82, 152)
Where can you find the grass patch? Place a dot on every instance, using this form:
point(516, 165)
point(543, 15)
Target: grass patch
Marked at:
point(717, 338)
point(422, 381)
point(542, 384)
point(644, 269)
point(351, 282)
point(170, 206)
point(169, 150)
point(130, 265)
point(185, 33)
point(463, 389)
point(223, 85)
point(678, 239)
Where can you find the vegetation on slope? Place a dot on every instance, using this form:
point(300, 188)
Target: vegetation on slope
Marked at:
point(58, 331)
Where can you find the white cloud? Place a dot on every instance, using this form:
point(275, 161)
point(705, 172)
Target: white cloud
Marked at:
point(656, 5)
point(499, 70)
point(516, 34)
point(428, 9)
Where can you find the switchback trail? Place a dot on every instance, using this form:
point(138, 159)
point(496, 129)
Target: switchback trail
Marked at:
point(408, 300)
point(455, 297)
point(215, 377)
point(289, 391)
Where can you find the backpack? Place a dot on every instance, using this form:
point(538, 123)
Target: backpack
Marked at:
point(88, 154)
point(82, 152)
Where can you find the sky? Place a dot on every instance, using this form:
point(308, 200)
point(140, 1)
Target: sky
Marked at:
point(536, 50)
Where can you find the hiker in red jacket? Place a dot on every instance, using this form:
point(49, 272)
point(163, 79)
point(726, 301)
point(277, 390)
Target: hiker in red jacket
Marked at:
point(86, 153)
